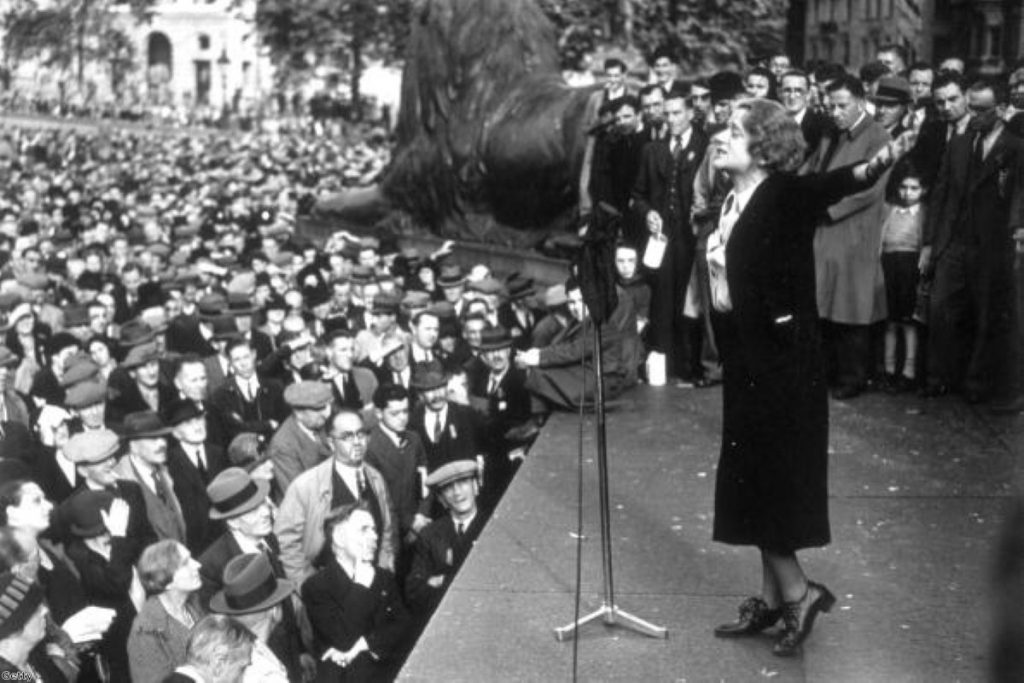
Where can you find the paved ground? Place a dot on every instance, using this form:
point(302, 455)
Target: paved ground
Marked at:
point(918, 489)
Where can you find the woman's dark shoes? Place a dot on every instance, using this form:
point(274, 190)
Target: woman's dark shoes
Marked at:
point(755, 616)
point(798, 618)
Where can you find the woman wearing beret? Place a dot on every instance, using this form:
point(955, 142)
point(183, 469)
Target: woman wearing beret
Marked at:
point(772, 482)
point(23, 616)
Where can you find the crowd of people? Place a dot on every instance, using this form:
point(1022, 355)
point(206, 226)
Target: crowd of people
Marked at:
point(915, 277)
point(231, 454)
point(214, 431)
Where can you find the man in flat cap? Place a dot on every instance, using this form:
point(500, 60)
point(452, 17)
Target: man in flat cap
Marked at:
point(146, 464)
point(444, 544)
point(95, 454)
point(242, 504)
point(193, 463)
point(299, 442)
point(348, 479)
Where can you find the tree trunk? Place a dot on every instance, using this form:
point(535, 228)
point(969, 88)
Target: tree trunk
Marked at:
point(626, 16)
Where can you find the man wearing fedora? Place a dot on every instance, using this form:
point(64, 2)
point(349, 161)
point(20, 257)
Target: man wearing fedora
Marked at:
point(443, 544)
point(87, 403)
point(218, 331)
point(248, 402)
point(299, 442)
point(343, 479)
point(189, 379)
point(146, 464)
point(449, 431)
point(144, 391)
point(256, 597)
point(240, 305)
point(452, 282)
point(243, 504)
point(95, 455)
point(892, 100)
point(193, 462)
point(498, 388)
point(516, 314)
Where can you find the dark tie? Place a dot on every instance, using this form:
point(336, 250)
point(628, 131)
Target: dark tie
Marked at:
point(677, 146)
point(460, 529)
point(360, 483)
point(162, 492)
point(978, 154)
point(437, 429)
point(201, 462)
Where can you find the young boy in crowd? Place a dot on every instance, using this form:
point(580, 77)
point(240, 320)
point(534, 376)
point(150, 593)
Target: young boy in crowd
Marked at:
point(901, 249)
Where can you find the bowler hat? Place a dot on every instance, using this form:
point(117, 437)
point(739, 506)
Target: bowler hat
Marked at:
point(83, 512)
point(144, 424)
point(488, 286)
point(234, 492)
point(427, 376)
point(362, 275)
point(452, 471)
point(386, 304)
point(224, 327)
point(250, 586)
point(519, 287)
point(93, 446)
point(211, 306)
point(240, 303)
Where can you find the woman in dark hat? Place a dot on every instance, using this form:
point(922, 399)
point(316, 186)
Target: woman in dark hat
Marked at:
point(103, 556)
point(159, 634)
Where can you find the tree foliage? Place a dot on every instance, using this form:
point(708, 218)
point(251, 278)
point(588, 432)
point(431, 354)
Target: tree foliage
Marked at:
point(704, 34)
point(337, 34)
point(71, 33)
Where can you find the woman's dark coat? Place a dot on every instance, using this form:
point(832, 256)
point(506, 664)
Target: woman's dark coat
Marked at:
point(772, 481)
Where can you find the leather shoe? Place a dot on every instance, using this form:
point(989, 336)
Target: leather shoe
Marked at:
point(798, 618)
point(755, 616)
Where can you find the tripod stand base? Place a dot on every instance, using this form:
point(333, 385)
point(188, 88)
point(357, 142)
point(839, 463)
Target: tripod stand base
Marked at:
point(612, 616)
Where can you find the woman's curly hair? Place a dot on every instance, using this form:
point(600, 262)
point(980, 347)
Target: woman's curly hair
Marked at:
point(775, 139)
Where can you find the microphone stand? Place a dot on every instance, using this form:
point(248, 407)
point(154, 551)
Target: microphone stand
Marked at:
point(608, 612)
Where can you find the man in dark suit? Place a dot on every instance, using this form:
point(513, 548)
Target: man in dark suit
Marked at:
point(517, 315)
point(247, 402)
point(652, 112)
point(398, 455)
point(794, 91)
point(617, 158)
point(144, 391)
point(500, 390)
point(352, 385)
point(949, 96)
point(976, 207)
point(189, 373)
point(95, 456)
point(445, 543)
point(663, 194)
point(449, 431)
point(241, 504)
point(193, 463)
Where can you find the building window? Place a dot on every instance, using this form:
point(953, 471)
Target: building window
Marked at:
point(995, 41)
point(204, 41)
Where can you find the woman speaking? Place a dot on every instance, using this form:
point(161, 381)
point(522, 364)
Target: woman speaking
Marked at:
point(772, 483)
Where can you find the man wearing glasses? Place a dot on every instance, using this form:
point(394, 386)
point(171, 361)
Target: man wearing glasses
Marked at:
point(794, 93)
point(342, 479)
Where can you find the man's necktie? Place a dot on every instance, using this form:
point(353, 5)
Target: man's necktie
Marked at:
point(492, 386)
point(460, 529)
point(163, 492)
point(437, 428)
point(200, 461)
point(676, 145)
point(360, 483)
